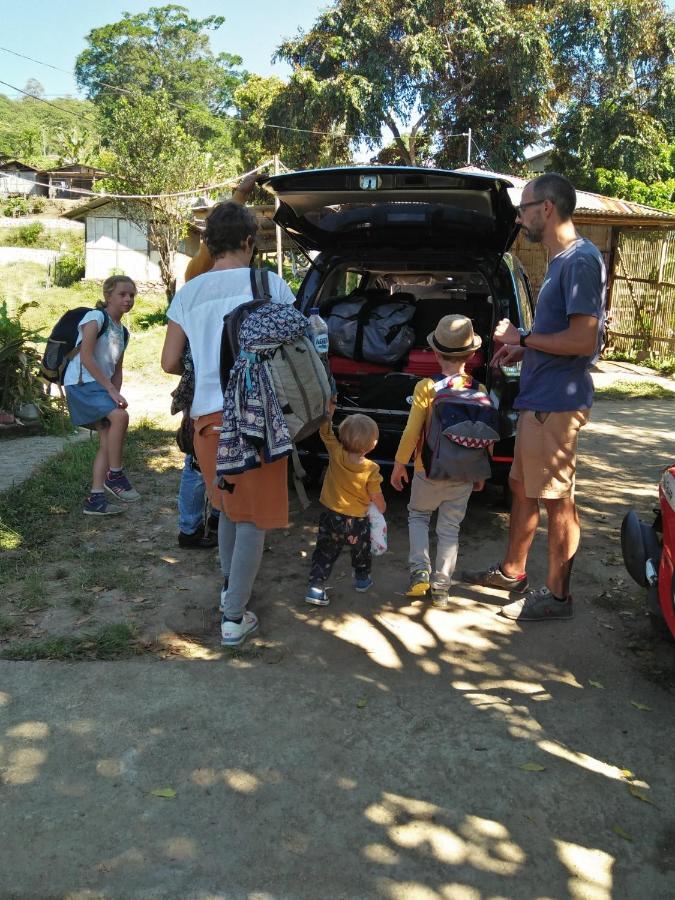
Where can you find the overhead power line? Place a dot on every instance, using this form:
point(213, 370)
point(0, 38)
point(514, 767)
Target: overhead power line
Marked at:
point(176, 105)
point(103, 195)
point(69, 112)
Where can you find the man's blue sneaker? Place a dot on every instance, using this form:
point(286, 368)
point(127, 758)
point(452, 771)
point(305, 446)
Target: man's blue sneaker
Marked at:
point(363, 583)
point(96, 505)
point(317, 596)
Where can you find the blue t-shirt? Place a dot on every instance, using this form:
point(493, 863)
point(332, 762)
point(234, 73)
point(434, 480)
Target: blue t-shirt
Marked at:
point(575, 284)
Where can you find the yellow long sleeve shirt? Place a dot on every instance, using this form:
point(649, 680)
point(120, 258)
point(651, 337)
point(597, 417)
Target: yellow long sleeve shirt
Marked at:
point(347, 487)
point(413, 434)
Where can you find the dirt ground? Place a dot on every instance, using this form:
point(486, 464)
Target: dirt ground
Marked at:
point(375, 748)
point(168, 589)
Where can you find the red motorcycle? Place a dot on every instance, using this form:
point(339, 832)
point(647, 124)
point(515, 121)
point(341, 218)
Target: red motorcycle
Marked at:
point(649, 554)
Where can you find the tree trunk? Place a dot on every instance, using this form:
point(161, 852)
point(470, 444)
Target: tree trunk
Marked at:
point(166, 271)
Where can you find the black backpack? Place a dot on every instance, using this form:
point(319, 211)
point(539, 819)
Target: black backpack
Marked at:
point(61, 343)
point(232, 322)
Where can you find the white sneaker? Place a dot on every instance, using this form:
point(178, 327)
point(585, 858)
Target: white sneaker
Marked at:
point(233, 634)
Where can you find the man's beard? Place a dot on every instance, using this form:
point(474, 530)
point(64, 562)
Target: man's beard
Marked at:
point(534, 233)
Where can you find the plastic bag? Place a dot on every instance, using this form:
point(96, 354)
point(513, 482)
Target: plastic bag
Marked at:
point(378, 531)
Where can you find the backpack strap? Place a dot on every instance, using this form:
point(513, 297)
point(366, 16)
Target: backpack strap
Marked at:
point(102, 330)
point(260, 285)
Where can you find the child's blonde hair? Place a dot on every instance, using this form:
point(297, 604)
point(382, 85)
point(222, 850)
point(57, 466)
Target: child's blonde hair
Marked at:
point(109, 286)
point(358, 433)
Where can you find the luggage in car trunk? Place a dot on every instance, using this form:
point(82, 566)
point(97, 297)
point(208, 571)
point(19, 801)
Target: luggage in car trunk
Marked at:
point(340, 365)
point(374, 326)
point(423, 362)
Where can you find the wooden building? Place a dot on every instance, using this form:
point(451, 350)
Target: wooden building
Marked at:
point(114, 244)
point(18, 179)
point(67, 182)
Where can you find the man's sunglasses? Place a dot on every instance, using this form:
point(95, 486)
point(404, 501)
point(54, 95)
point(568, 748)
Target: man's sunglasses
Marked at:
point(523, 206)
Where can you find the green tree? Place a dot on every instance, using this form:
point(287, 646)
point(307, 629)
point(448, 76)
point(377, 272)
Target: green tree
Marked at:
point(152, 154)
point(427, 69)
point(268, 112)
point(163, 49)
point(615, 74)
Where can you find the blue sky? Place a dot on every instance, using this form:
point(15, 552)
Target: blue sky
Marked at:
point(57, 31)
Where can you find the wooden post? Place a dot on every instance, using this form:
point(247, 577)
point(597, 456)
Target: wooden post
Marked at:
point(280, 252)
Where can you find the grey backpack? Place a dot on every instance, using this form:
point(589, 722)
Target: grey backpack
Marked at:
point(301, 385)
point(461, 426)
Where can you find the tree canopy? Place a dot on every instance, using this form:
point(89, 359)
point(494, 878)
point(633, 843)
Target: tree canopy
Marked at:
point(597, 75)
point(616, 77)
point(163, 49)
point(154, 155)
point(432, 66)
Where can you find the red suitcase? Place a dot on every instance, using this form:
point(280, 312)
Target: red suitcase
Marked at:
point(423, 362)
point(340, 365)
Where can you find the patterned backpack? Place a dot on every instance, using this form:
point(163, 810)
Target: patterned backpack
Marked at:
point(460, 427)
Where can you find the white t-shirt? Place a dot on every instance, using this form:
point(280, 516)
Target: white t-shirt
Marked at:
point(198, 307)
point(107, 351)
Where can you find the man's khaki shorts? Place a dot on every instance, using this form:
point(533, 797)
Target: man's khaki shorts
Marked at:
point(545, 455)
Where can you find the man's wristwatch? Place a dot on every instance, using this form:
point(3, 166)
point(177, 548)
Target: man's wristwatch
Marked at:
point(523, 335)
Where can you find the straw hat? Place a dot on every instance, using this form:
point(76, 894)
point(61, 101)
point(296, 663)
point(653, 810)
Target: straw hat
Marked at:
point(453, 336)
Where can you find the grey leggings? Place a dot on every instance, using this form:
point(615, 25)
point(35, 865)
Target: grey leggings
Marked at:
point(240, 545)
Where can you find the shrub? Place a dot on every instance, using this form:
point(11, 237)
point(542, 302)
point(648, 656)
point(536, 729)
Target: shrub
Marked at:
point(68, 269)
point(19, 361)
point(37, 204)
point(16, 206)
point(29, 235)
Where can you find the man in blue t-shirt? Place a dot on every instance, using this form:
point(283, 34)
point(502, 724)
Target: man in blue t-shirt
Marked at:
point(556, 394)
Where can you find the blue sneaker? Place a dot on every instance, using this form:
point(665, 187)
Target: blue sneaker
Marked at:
point(317, 596)
point(96, 505)
point(119, 486)
point(363, 583)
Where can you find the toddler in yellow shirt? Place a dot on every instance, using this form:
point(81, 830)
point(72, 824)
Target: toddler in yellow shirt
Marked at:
point(351, 484)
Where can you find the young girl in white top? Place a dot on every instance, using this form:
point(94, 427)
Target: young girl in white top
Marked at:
point(93, 381)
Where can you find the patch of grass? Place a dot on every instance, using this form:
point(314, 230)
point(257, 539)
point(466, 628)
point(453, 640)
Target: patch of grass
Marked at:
point(638, 390)
point(31, 515)
point(37, 236)
point(663, 365)
point(23, 282)
point(111, 642)
point(31, 596)
point(7, 625)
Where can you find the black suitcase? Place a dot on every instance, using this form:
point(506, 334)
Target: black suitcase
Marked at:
point(391, 391)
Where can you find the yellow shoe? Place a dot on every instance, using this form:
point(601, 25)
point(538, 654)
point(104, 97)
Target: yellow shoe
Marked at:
point(419, 584)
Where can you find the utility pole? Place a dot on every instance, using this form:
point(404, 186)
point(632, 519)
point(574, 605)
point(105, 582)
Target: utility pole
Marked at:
point(468, 149)
point(280, 254)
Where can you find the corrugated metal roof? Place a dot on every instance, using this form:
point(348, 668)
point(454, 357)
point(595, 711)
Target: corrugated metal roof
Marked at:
point(587, 203)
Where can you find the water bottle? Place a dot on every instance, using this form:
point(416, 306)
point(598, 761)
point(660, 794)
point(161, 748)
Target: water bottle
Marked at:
point(318, 332)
